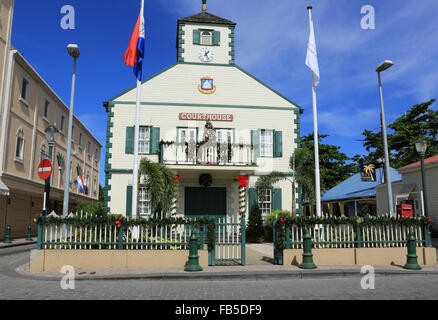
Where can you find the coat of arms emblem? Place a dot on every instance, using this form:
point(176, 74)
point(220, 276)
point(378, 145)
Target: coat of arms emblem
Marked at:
point(207, 85)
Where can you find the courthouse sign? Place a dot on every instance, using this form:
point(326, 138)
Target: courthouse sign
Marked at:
point(206, 116)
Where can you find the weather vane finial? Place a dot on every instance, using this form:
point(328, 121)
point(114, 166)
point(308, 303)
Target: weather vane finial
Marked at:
point(204, 5)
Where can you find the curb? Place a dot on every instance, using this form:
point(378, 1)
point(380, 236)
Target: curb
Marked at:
point(19, 244)
point(225, 276)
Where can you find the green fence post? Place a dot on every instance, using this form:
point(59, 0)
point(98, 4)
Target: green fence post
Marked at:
point(8, 234)
point(29, 233)
point(412, 259)
point(120, 238)
point(40, 237)
point(359, 237)
point(307, 252)
point(243, 241)
point(426, 236)
point(193, 263)
point(288, 237)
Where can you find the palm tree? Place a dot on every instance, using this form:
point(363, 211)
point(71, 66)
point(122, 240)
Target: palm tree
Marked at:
point(159, 182)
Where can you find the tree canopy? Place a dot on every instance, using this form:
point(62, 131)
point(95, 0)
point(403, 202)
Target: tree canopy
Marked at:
point(420, 122)
point(333, 166)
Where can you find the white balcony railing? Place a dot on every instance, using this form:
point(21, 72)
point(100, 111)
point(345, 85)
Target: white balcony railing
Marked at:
point(225, 154)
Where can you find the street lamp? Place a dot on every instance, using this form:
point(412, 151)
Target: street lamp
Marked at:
point(51, 135)
point(421, 147)
point(73, 51)
point(382, 67)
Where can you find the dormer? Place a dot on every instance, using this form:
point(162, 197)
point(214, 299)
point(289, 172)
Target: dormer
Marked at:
point(205, 38)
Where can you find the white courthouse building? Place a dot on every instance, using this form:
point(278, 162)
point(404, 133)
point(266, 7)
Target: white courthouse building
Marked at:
point(259, 127)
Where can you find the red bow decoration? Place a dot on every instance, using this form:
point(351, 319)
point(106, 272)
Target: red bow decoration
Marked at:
point(282, 220)
point(176, 201)
point(243, 181)
point(119, 222)
point(177, 179)
point(429, 219)
point(240, 212)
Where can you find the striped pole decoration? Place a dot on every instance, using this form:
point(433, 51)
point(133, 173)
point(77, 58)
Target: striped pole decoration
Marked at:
point(243, 183)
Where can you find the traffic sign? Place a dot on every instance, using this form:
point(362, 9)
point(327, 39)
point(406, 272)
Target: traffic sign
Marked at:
point(45, 169)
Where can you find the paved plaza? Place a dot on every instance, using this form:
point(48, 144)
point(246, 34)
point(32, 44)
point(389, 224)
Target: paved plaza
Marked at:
point(18, 286)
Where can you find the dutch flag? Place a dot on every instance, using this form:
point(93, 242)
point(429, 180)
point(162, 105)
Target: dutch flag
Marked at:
point(80, 184)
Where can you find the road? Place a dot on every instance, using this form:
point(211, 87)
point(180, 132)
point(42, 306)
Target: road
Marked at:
point(15, 286)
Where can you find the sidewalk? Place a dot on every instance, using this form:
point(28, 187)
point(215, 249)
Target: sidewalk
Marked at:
point(259, 267)
point(252, 272)
point(17, 243)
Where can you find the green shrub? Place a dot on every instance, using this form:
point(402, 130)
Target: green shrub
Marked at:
point(269, 221)
point(92, 209)
point(255, 223)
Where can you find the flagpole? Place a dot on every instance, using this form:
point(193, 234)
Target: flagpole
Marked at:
point(315, 135)
point(136, 140)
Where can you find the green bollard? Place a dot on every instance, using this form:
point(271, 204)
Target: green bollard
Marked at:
point(193, 264)
point(307, 252)
point(412, 259)
point(29, 233)
point(8, 234)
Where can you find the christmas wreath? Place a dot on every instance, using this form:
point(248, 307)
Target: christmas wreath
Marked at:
point(205, 180)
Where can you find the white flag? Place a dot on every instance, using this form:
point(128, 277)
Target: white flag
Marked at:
point(312, 57)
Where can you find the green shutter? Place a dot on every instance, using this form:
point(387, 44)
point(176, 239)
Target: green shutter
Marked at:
point(196, 37)
point(252, 198)
point(155, 140)
point(278, 144)
point(129, 145)
point(276, 199)
point(129, 201)
point(255, 141)
point(216, 38)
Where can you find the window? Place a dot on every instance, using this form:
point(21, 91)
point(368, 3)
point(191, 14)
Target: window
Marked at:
point(80, 140)
point(266, 205)
point(19, 148)
point(206, 38)
point(24, 89)
point(266, 143)
point(144, 202)
point(73, 133)
point(46, 109)
point(97, 155)
point(144, 140)
point(89, 148)
point(62, 123)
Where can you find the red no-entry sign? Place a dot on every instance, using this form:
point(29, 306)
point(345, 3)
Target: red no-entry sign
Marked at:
point(45, 169)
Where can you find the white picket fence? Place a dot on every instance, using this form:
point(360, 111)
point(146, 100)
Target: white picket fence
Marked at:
point(344, 236)
point(172, 237)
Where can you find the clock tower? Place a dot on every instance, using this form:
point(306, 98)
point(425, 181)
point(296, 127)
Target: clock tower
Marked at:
point(205, 38)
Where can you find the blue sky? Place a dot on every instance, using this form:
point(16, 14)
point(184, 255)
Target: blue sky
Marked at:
point(271, 42)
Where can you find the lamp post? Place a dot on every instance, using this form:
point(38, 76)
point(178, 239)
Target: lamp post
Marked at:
point(73, 51)
point(382, 67)
point(51, 135)
point(421, 147)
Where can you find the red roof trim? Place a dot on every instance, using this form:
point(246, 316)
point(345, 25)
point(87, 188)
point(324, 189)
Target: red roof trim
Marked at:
point(426, 161)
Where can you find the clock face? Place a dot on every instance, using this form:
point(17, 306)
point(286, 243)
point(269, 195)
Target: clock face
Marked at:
point(206, 54)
